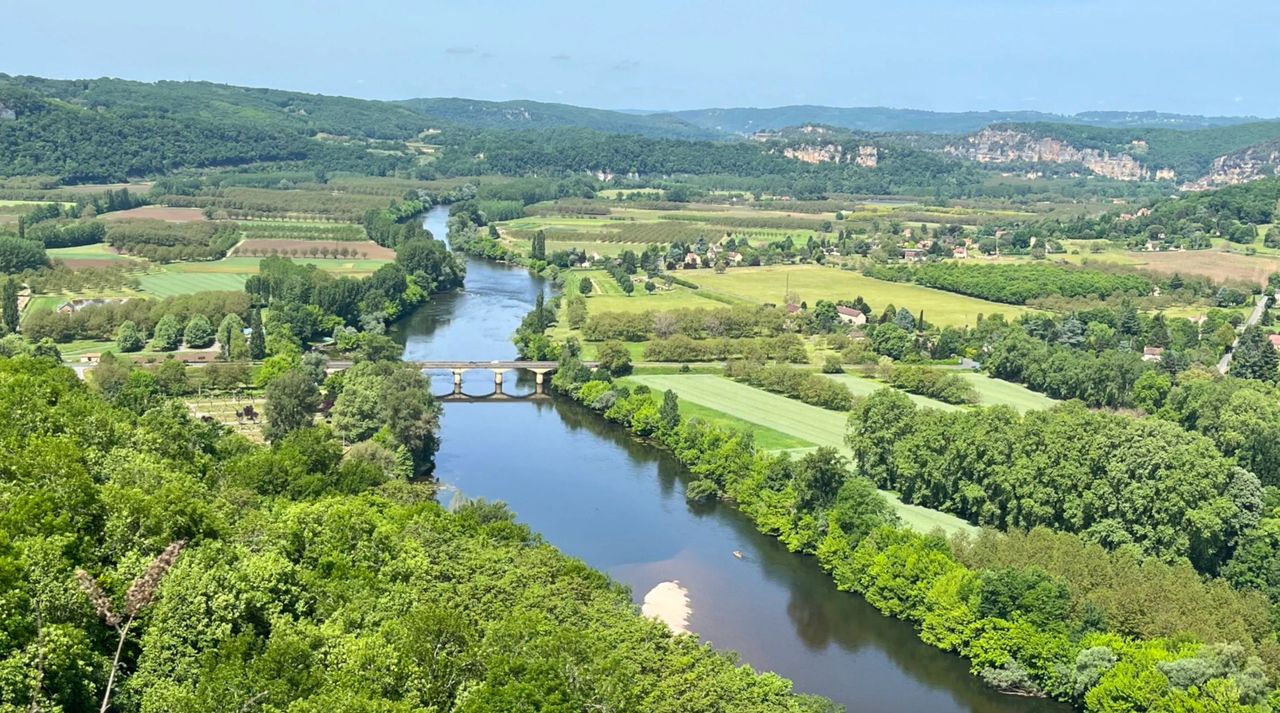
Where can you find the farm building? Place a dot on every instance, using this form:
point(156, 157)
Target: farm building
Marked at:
point(849, 315)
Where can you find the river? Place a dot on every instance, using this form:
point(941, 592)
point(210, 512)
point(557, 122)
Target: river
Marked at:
point(598, 494)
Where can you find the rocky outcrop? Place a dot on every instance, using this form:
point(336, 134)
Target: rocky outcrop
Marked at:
point(997, 145)
point(808, 153)
point(865, 156)
point(868, 156)
point(7, 114)
point(1250, 164)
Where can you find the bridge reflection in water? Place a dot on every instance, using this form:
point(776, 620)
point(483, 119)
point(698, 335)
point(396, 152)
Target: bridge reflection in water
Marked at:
point(539, 369)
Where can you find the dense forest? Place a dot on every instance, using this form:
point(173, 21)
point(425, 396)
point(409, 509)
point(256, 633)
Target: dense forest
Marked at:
point(237, 576)
point(117, 141)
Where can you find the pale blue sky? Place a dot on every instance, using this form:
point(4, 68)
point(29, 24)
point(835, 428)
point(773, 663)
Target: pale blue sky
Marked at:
point(1220, 57)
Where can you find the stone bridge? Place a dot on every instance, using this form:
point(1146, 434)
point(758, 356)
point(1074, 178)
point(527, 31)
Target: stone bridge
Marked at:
point(539, 368)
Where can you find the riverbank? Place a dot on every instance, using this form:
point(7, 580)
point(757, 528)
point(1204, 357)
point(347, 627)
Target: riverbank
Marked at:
point(617, 503)
point(814, 506)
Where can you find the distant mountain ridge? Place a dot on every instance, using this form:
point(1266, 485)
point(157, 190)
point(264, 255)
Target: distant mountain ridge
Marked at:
point(745, 121)
point(526, 114)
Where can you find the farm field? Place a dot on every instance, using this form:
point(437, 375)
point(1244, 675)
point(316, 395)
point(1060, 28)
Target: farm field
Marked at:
point(93, 188)
point(223, 410)
point(97, 255)
point(169, 283)
point(1212, 263)
point(302, 248)
point(158, 212)
point(1225, 261)
point(811, 283)
point(809, 423)
point(302, 230)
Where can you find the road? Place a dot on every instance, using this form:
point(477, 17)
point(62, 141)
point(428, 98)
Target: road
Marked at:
point(1225, 362)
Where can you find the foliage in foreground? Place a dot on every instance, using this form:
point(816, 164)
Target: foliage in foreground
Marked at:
point(311, 580)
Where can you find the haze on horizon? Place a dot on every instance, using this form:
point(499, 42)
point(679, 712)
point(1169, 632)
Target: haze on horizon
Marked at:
point(1062, 56)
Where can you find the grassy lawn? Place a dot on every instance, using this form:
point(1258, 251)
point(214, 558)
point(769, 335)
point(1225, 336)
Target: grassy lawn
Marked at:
point(812, 283)
point(863, 386)
point(765, 437)
point(992, 392)
point(789, 417)
point(169, 283)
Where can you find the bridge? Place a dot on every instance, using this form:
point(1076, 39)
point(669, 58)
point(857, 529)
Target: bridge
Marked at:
point(539, 368)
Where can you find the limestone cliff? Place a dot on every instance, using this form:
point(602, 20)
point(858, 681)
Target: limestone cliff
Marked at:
point(1258, 161)
point(865, 156)
point(1005, 145)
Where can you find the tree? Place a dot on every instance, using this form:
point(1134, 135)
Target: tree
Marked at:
point(128, 337)
point(231, 342)
point(199, 332)
point(825, 317)
point(390, 398)
point(9, 313)
point(167, 334)
point(538, 247)
point(17, 255)
point(584, 286)
point(257, 337)
point(891, 340)
point(614, 357)
point(669, 413)
point(1255, 358)
point(292, 400)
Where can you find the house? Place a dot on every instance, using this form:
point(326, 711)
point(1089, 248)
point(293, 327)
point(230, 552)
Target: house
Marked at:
point(78, 304)
point(849, 315)
point(912, 254)
point(793, 308)
point(735, 258)
point(1152, 353)
point(960, 252)
point(691, 260)
point(1275, 340)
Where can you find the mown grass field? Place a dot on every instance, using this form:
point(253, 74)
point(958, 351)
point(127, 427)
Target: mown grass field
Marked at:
point(863, 386)
point(992, 392)
point(169, 283)
point(812, 283)
point(793, 418)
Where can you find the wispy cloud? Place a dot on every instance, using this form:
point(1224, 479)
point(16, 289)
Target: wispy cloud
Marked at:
point(560, 57)
point(459, 50)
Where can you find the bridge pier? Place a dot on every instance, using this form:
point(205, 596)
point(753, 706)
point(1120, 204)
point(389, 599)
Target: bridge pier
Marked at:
point(457, 381)
point(497, 379)
point(539, 378)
